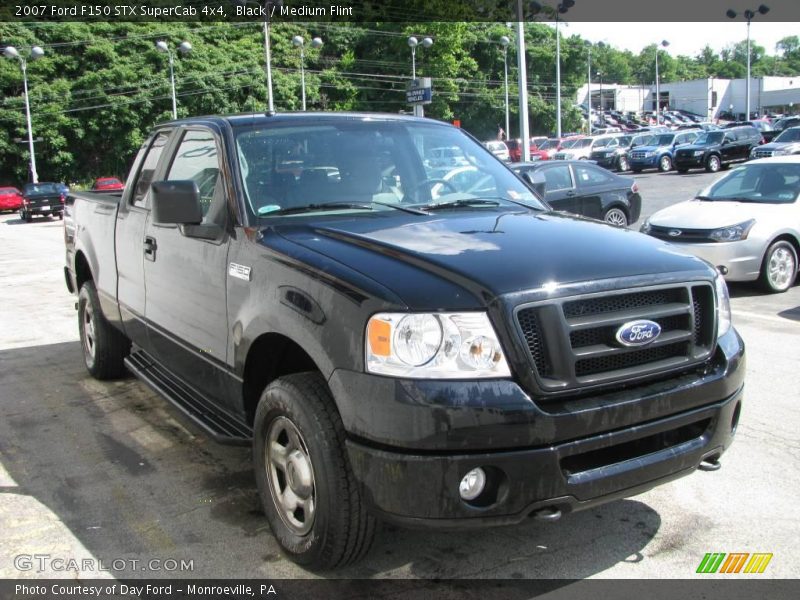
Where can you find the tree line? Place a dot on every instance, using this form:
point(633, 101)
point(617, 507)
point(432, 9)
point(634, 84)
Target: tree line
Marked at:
point(100, 87)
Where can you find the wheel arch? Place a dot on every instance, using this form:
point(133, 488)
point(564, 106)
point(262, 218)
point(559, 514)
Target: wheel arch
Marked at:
point(83, 271)
point(269, 356)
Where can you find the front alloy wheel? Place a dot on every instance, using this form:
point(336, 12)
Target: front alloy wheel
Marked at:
point(713, 165)
point(779, 268)
point(623, 164)
point(664, 164)
point(291, 475)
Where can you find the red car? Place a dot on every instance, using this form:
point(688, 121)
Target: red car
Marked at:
point(106, 184)
point(10, 199)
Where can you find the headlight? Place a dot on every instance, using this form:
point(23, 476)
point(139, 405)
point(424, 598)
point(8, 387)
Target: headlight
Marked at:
point(649, 154)
point(645, 228)
point(723, 307)
point(779, 153)
point(434, 346)
point(734, 233)
point(698, 152)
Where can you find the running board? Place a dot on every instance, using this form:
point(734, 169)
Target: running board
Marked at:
point(223, 428)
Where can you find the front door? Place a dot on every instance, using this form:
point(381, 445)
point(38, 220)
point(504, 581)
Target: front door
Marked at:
point(559, 188)
point(186, 274)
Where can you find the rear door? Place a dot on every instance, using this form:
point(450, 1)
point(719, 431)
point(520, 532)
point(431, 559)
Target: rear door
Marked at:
point(186, 271)
point(129, 238)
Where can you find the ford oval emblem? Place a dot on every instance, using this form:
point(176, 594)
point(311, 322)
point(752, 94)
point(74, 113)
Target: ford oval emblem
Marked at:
point(638, 333)
point(675, 232)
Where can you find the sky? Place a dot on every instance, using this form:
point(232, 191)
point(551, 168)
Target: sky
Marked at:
point(684, 38)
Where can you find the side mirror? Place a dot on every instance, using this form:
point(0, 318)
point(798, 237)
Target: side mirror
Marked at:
point(176, 203)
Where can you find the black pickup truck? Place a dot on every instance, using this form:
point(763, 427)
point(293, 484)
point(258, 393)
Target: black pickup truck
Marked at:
point(398, 343)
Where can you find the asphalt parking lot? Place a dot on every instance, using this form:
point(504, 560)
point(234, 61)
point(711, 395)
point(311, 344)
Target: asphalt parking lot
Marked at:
point(108, 471)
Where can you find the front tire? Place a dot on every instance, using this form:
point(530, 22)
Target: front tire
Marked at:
point(713, 164)
point(779, 268)
point(623, 164)
point(664, 164)
point(310, 496)
point(104, 348)
point(27, 216)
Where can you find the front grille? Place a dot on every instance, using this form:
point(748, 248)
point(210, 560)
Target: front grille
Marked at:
point(572, 342)
point(560, 156)
point(681, 236)
point(638, 155)
point(763, 153)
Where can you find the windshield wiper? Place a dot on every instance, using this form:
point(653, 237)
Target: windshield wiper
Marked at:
point(704, 198)
point(460, 204)
point(407, 209)
point(317, 207)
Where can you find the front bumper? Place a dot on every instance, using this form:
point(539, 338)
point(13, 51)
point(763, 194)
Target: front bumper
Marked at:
point(566, 455)
point(690, 162)
point(741, 259)
point(643, 163)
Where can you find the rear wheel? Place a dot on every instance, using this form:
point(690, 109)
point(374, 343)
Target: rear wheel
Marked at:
point(665, 164)
point(713, 164)
point(310, 496)
point(104, 348)
point(616, 216)
point(779, 268)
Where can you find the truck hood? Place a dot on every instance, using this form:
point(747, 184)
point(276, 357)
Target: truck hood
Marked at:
point(488, 253)
point(698, 214)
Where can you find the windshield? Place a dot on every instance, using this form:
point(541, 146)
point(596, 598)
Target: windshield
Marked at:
point(41, 188)
point(572, 143)
point(377, 164)
point(709, 138)
point(603, 142)
point(665, 140)
point(642, 140)
point(789, 135)
point(770, 183)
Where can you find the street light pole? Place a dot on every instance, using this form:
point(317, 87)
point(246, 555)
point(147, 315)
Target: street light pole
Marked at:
point(184, 48)
point(300, 42)
point(561, 9)
point(36, 53)
point(589, 87)
point(413, 42)
point(749, 14)
point(504, 42)
point(664, 43)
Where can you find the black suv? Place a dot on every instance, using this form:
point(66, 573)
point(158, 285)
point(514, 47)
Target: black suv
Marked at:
point(714, 149)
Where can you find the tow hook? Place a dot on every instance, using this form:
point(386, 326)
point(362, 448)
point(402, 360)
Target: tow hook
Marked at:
point(710, 464)
point(547, 514)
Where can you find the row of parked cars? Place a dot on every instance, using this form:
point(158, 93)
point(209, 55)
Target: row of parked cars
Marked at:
point(47, 197)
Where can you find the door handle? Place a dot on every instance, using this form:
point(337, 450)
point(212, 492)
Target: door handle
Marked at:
point(571, 193)
point(150, 248)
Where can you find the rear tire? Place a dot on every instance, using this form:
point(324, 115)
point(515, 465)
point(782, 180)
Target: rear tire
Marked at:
point(310, 496)
point(779, 269)
point(104, 347)
point(616, 216)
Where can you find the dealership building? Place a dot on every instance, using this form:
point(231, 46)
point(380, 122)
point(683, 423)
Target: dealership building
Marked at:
point(708, 97)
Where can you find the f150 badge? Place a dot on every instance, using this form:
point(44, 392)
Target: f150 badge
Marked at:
point(638, 333)
point(239, 271)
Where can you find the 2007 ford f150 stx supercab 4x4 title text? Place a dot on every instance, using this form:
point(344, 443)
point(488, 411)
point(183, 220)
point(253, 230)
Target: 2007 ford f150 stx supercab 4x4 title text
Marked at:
point(398, 341)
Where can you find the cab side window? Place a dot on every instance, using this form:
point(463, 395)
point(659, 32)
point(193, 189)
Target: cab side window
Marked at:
point(141, 191)
point(197, 159)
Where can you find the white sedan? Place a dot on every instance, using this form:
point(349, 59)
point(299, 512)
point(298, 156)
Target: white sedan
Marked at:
point(746, 223)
